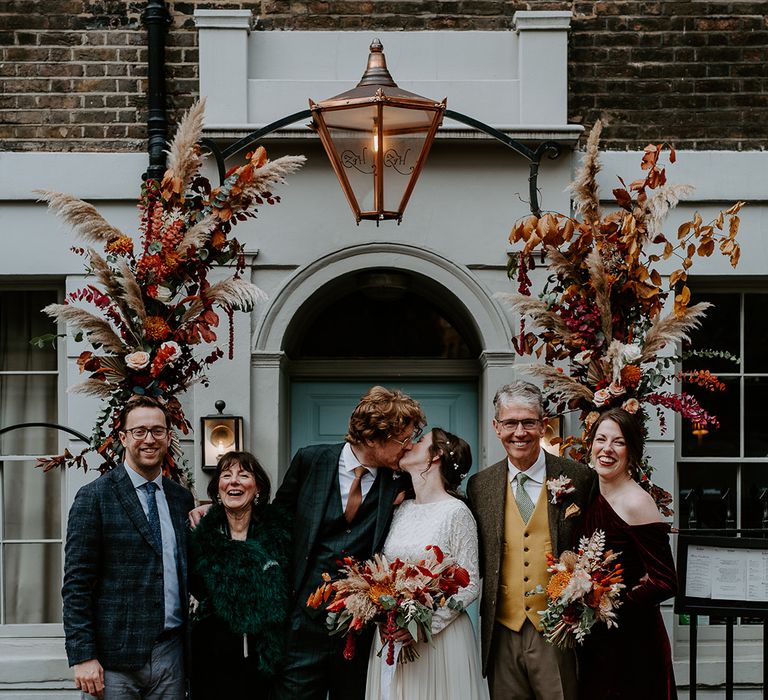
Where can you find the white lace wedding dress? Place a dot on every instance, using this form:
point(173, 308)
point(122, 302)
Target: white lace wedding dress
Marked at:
point(449, 668)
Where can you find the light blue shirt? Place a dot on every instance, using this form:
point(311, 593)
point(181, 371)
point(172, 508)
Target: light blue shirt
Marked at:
point(173, 613)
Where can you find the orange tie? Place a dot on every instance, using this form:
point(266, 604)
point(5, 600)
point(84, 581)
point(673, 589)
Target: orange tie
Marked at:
point(355, 497)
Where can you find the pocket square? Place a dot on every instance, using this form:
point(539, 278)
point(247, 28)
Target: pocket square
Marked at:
point(572, 511)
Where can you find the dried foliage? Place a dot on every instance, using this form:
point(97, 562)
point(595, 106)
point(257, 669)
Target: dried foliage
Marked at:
point(601, 309)
point(149, 310)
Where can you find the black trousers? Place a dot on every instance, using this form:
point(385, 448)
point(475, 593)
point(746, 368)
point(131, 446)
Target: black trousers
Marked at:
point(315, 667)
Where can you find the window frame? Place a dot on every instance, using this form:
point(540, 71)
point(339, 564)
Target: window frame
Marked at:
point(49, 629)
point(751, 633)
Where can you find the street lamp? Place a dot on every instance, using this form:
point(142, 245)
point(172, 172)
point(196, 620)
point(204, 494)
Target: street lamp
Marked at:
point(377, 137)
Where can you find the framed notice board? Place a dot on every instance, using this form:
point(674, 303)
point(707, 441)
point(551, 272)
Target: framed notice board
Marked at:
point(722, 576)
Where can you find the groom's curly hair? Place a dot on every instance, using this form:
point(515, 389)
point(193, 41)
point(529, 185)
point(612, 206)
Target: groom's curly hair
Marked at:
point(383, 413)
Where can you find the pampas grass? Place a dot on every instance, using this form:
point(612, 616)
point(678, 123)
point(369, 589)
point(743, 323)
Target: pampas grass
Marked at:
point(83, 217)
point(659, 205)
point(559, 382)
point(184, 153)
point(586, 196)
point(229, 294)
point(273, 173)
point(601, 285)
point(538, 311)
point(99, 331)
point(131, 292)
point(672, 329)
point(92, 387)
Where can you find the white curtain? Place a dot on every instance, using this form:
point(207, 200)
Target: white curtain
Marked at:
point(30, 507)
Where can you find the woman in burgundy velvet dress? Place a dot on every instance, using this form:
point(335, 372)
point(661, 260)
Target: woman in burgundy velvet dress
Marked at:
point(633, 660)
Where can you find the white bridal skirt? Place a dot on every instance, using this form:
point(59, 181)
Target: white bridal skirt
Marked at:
point(447, 669)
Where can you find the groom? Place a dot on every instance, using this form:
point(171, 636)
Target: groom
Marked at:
point(518, 522)
point(341, 498)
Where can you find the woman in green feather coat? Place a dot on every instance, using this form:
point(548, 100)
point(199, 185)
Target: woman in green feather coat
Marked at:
point(238, 575)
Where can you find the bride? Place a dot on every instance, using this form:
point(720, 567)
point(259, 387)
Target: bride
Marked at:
point(449, 668)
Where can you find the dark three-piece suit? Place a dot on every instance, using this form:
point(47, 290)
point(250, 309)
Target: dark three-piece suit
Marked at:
point(310, 491)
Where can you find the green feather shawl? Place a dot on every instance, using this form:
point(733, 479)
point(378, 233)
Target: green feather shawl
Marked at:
point(244, 583)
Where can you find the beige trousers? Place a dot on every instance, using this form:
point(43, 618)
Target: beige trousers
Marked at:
point(524, 666)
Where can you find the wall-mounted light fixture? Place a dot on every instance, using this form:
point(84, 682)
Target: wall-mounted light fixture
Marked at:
point(377, 137)
point(219, 433)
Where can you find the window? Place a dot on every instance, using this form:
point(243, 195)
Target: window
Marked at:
point(30, 502)
point(723, 473)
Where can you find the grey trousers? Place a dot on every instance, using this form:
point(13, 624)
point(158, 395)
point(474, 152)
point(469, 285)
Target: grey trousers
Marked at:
point(161, 678)
point(524, 666)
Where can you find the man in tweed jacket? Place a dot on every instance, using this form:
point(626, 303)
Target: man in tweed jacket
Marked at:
point(125, 595)
point(516, 528)
point(317, 489)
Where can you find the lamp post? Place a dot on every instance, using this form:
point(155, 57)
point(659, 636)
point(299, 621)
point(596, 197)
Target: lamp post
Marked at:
point(377, 137)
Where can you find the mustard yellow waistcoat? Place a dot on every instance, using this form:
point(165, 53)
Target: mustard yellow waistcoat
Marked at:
point(523, 563)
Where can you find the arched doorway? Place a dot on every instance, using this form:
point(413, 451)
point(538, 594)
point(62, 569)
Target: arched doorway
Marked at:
point(383, 313)
point(381, 326)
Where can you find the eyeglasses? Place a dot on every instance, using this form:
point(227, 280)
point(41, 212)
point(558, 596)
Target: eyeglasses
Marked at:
point(141, 432)
point(527, 423)
point(412, 439)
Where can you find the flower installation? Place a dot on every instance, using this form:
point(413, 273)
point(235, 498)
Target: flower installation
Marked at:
point(398, 595)
point(152, 305)
point(601, 313)
point(584, 589)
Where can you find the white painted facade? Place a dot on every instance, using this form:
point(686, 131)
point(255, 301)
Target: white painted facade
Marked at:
point(454, 233)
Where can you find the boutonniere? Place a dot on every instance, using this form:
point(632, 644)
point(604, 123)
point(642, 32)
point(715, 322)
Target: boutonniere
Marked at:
point(559, 487)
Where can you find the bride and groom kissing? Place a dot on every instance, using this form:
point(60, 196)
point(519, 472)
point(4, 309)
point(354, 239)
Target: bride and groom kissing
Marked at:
point(342, 498)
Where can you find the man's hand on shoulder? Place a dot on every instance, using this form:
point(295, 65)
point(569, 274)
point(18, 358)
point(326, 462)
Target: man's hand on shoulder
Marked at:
point(89, 677)
point(196, 515)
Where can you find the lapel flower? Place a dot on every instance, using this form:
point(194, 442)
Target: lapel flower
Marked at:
point(559, 487)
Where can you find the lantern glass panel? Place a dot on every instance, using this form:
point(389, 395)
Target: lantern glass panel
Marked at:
point(401, 154)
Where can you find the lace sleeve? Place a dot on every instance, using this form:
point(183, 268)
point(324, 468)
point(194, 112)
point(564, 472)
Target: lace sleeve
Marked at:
point(463, 548)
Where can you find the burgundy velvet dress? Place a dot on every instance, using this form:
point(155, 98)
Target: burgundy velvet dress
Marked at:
point(633, 660)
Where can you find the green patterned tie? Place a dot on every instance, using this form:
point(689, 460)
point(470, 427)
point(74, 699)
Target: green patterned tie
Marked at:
point(524, 502)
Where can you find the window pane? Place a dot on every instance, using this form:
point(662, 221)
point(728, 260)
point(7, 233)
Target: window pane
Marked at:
point(707, 495)
point(755, 333)
point(754, 494)
point(719, 331)
point(31, 502)
point(21, 319)
point(28, 399)
point(756, 416)
point(32, 583)
point(717, 442)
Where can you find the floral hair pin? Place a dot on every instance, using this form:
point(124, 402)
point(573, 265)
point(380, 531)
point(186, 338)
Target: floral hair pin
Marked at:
point(559, 487)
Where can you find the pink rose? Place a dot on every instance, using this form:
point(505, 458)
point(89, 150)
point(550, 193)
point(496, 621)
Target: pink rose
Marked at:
point(137, 360)
point(631, 405)
point(616, 389)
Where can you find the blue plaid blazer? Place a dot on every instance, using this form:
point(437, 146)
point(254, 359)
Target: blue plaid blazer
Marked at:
point(113, 572)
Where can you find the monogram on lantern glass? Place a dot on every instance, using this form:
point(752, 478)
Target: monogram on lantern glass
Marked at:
point(377, 137)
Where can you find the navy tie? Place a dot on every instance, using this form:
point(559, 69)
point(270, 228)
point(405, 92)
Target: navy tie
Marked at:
point(152, 515)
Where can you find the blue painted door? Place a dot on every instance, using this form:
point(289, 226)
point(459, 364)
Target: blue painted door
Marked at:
point(320, 410)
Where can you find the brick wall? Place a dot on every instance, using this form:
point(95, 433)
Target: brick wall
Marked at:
point(694, 73)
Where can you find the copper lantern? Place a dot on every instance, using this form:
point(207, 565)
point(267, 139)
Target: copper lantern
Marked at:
point(377, 137)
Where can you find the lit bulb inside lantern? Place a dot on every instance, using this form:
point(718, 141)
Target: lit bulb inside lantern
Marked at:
point(220, 450)
point(375, 141)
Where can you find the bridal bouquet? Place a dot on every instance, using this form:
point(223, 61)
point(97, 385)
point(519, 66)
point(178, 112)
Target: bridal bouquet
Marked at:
point(399, 595)
point(584, 589)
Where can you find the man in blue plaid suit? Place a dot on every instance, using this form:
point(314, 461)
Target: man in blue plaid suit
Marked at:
point(342, 497)
point(125, 594)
